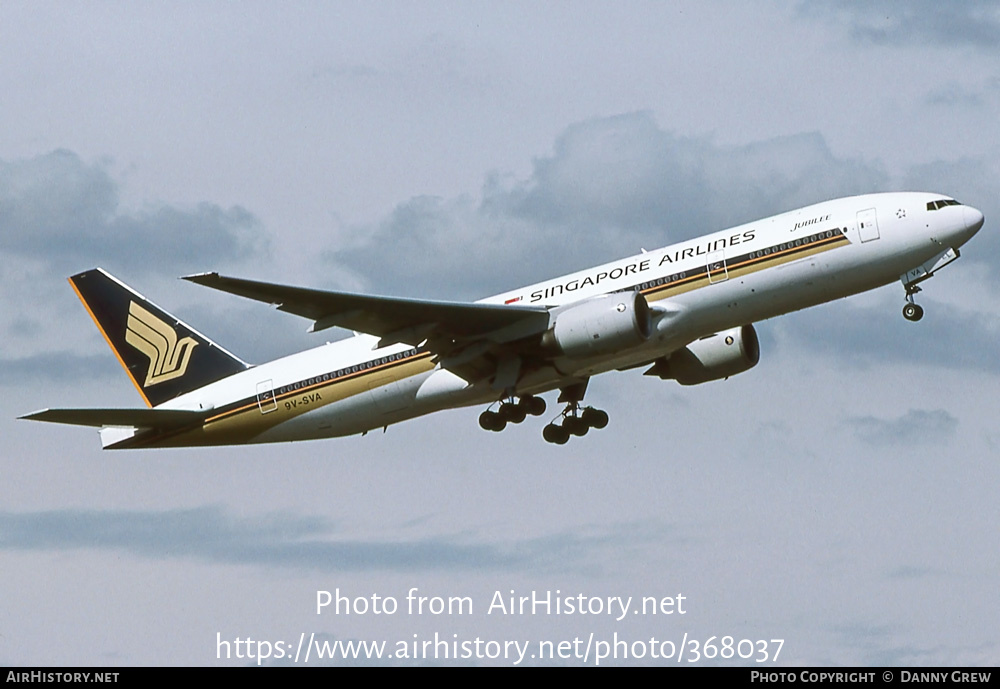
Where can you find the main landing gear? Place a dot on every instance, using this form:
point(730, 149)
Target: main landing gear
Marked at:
point(511, 412)
point(575, 421)
point(911, 310)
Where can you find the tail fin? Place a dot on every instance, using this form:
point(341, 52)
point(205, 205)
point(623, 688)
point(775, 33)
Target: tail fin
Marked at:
point(163, 356)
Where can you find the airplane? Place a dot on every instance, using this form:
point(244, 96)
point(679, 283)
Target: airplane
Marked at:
point(684, 312)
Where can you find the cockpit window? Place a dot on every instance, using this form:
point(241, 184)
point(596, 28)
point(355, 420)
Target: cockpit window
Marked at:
point(934, 205)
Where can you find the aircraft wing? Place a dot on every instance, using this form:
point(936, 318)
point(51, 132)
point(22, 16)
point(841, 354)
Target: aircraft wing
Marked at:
point(162, 419)
point(446, 326)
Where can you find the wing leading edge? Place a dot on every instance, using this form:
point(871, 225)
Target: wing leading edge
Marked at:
point(445, 326)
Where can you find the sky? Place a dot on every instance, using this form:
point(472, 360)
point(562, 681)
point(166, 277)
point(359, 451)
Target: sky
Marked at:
point(841, 496)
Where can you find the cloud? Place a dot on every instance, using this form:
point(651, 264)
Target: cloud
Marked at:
point(915, 427)
point(65, 213)
point(957, 23)
point(876, 646)
point(907, 572)
point(56, 366)
point(284, 540)
point(611, 186)
point(955, 94)
point(60, 215)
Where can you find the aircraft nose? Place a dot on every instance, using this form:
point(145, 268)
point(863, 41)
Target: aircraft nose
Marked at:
point(973, 220)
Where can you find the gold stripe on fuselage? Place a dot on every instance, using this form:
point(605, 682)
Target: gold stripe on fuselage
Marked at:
point(247, 420)
point(745, 267)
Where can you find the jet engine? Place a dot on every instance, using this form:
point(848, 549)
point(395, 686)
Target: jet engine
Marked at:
point(602, 325)
point(711, 358)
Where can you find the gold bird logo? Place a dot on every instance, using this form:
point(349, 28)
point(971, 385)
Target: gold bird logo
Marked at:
point(168, 357)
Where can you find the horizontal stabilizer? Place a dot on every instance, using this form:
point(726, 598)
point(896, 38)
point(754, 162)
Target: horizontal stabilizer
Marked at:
point(162, 419)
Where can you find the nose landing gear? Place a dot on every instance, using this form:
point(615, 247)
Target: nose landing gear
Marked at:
point(911, 310)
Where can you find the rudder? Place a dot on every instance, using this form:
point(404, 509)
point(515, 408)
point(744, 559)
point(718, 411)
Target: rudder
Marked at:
point(162, 355)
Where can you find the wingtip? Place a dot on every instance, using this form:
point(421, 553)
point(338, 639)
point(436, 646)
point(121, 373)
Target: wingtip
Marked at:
point(33, 416)
point(200, 277)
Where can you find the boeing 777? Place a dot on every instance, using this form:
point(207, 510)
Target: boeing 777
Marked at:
point(684, 312)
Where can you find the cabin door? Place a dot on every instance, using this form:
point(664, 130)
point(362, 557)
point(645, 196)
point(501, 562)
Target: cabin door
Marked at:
point(265, 397)
point(867, 225)
point(716, 267)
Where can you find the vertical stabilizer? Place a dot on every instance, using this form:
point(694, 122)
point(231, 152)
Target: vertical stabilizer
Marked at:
point(162, 355)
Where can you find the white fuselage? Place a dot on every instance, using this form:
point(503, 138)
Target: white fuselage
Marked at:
point(754, 272)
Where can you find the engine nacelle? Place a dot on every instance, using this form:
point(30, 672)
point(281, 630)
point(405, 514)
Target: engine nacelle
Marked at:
point(711, 358)
point(601, 326)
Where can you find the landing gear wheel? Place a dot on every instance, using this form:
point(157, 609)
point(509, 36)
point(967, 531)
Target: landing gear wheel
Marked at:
point(515, 413)
point(595, 418)
point(555, 434)
point(491, 421)
point(913, 312)
point(534, 405)
point(576, 426)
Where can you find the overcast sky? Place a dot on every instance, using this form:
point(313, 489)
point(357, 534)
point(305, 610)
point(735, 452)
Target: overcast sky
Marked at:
point(840, 496)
